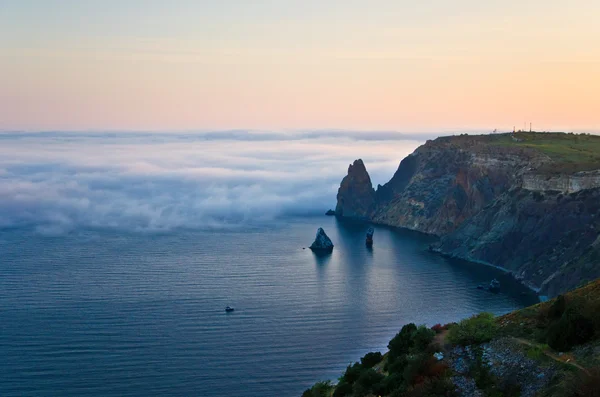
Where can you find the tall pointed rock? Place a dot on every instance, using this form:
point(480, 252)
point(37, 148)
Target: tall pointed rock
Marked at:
point(356, 196)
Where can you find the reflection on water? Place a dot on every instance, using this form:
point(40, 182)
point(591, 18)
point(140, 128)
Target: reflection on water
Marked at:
point(105, 314)
point(322, 258)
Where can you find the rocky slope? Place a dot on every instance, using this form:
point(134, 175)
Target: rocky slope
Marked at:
point(549, 349)
point(549, 240)
point(528, 203)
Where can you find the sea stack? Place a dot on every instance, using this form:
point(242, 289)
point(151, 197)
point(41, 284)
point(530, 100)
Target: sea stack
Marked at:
point(369, 240)
point(322, 243)
point(356, 196)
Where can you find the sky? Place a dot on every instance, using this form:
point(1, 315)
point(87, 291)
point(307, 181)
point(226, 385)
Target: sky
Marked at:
point(183, 65)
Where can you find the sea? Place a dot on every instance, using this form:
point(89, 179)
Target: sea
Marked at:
point(119, 253)
point(123, 314)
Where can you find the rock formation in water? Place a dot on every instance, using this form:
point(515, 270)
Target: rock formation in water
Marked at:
point(369, 240)
point(322, 242)
point(494, 200)
point(330, 213)
point(356, 196)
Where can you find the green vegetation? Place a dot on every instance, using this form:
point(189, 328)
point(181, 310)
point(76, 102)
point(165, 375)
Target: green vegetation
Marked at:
point(408, 369)
point(320, 389)
point(475, 330)
point(562, 323)
point(371, 359)
point(412, 368)
point(570, 322)
point(537, 351)
point(578, 384)
point(573, 152)
point(410, 339)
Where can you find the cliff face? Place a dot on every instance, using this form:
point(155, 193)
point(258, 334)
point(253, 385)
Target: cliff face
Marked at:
point(562, 183)
point(493, 201)
point(447, 181)
point(549, 240)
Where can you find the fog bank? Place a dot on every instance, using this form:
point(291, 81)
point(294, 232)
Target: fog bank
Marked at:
point(57, 182)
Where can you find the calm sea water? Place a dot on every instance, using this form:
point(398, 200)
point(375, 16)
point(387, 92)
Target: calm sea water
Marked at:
point(98, 313)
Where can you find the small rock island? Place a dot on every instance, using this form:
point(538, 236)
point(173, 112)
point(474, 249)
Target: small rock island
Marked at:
point(322, 243)
point(369, 240)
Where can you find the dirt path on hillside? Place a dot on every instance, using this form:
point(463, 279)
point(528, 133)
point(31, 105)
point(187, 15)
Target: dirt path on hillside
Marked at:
point(565, 359)
point(440, 338)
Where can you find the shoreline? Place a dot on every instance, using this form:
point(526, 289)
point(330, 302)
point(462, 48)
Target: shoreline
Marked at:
point(504, 270)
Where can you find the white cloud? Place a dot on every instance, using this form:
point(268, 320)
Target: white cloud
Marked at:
point(56, 182)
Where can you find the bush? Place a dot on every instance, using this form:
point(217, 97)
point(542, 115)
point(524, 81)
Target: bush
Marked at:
point(570, 330)
point(368, 381)
point(478, 329)
point(417, 367)
point(360, 380)
point(434, 387)
point(371, 359)
point(402, 342)
point(396, 365)
point(437, 369)
point(438, 328)
point(352, 373)
point(342, 389)
point(569, 321)
point(320, 389)
point(581, 384)
point(410, 339)
point(422, 337)
point(558, 307)
point(391, 383)
point(400, 392)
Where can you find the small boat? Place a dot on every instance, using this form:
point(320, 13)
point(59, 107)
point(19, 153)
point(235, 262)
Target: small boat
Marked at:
point(229, 309)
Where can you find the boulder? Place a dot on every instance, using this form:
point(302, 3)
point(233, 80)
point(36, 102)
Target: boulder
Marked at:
point(322, 242)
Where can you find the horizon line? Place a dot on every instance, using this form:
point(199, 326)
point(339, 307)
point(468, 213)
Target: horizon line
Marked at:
point(288, 131)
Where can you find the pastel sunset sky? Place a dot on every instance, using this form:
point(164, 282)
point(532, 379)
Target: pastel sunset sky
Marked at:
point(397, 65)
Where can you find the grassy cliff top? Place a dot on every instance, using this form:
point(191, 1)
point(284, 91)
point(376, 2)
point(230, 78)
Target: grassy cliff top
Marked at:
point(573, 149)
point(568, 152)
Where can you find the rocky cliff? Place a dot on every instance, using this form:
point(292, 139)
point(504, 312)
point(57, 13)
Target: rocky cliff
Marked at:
point(356, 196)
point(530, 205)
point(549, 240)
point(561, 183)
